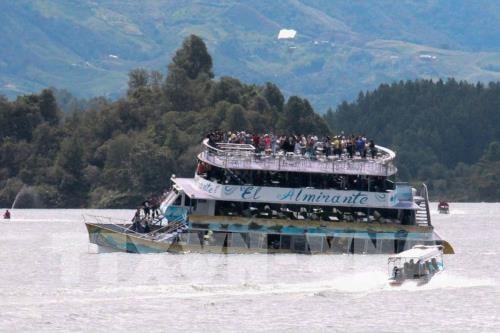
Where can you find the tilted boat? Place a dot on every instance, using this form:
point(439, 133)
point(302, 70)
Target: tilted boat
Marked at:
point(241, 200)
point(418, 264)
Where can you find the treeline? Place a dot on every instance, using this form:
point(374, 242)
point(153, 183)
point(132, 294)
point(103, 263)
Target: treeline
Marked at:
point(99, 153)
point(446, 134)
point(114, 154)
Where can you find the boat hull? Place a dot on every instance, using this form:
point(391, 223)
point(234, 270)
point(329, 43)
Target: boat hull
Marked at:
point(415, 281)
point(237, 235)
point(108, 235)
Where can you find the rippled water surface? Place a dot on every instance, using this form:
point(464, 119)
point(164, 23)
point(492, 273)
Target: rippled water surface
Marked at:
point(51, 280)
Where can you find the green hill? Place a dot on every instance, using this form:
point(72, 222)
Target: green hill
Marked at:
point(445, 134)
point(113, 154)
point(341, 48)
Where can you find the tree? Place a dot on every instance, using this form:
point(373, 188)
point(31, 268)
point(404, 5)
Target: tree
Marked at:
point(70, 156)
point(299, 118)
point(189, 75)
point(273, 96)
point(137, 79)
point(147, 166)
point(48, 107)
point(176, 90)
point(235, 119)
point(193, 58)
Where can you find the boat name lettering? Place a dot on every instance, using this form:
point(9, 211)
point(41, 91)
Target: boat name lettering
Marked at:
point(301, 196)
point(250, 192)
point(209, 187)
point(297, 195)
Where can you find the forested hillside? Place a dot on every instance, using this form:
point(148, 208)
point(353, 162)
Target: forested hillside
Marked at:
point(446, 134)
point(341, 47)
point(113, 154)
point(116, 154)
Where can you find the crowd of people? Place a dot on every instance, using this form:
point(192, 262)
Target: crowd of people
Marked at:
point(306, 145)
point(413, 269)
point(145, 214)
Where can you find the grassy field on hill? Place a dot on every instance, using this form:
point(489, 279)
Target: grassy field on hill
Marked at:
point(341, 48)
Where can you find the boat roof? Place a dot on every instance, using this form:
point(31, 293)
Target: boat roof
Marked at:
point(420, 252)
point(193, 190)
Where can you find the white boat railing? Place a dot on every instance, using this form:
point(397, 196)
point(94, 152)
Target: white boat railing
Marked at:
point(425, 194)
point(124, 226)
point(246, 158)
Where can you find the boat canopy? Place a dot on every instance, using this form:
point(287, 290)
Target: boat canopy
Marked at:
point(419, 252)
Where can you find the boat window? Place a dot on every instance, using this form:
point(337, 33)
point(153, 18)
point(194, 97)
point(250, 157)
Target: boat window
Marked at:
point(359, 245)
point(220, 239)
point(286, 241)
point(228, 208)
point(196, 238)
point(294, 179)
point(299, 243)
point(371, 245)
point(273, 241)
point(240, 240)
point(339, 245)
point(406, 216)
point(315, 243)
point(388, 246)
point(257, 240)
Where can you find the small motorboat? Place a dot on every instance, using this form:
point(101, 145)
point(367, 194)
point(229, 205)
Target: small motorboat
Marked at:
point(419, 264)
point(443, 207)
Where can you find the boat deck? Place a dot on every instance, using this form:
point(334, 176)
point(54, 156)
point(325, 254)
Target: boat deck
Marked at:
point(245, 159)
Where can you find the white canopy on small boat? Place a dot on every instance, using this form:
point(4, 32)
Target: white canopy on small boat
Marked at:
point(420, 252)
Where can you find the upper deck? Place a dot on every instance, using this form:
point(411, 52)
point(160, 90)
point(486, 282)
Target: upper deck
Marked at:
point(244, 156)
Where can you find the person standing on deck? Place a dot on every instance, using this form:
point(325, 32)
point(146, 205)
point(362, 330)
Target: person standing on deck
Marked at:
point(373, 150)
point(155, 206)
point(146, 206)
point(136, 221)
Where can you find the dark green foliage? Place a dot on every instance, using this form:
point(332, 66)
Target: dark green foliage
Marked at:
point(137, 79)
point(193, 58)
point(274, 96)
point(441, 132)
point(114, 154)
point(104, 154)
point(48, 107)
point(300, 118)
point(189, 74)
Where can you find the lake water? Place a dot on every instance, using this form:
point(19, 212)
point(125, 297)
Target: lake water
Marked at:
point(51, 280)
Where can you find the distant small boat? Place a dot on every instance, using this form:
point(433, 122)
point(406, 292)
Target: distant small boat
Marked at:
point(443, 207)
point(418, 264)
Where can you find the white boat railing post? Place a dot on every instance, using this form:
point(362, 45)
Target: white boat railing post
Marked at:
point(426, 198)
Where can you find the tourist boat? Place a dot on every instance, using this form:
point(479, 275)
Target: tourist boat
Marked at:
point(419, 264)
point(443, 207)
point(241, 200)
